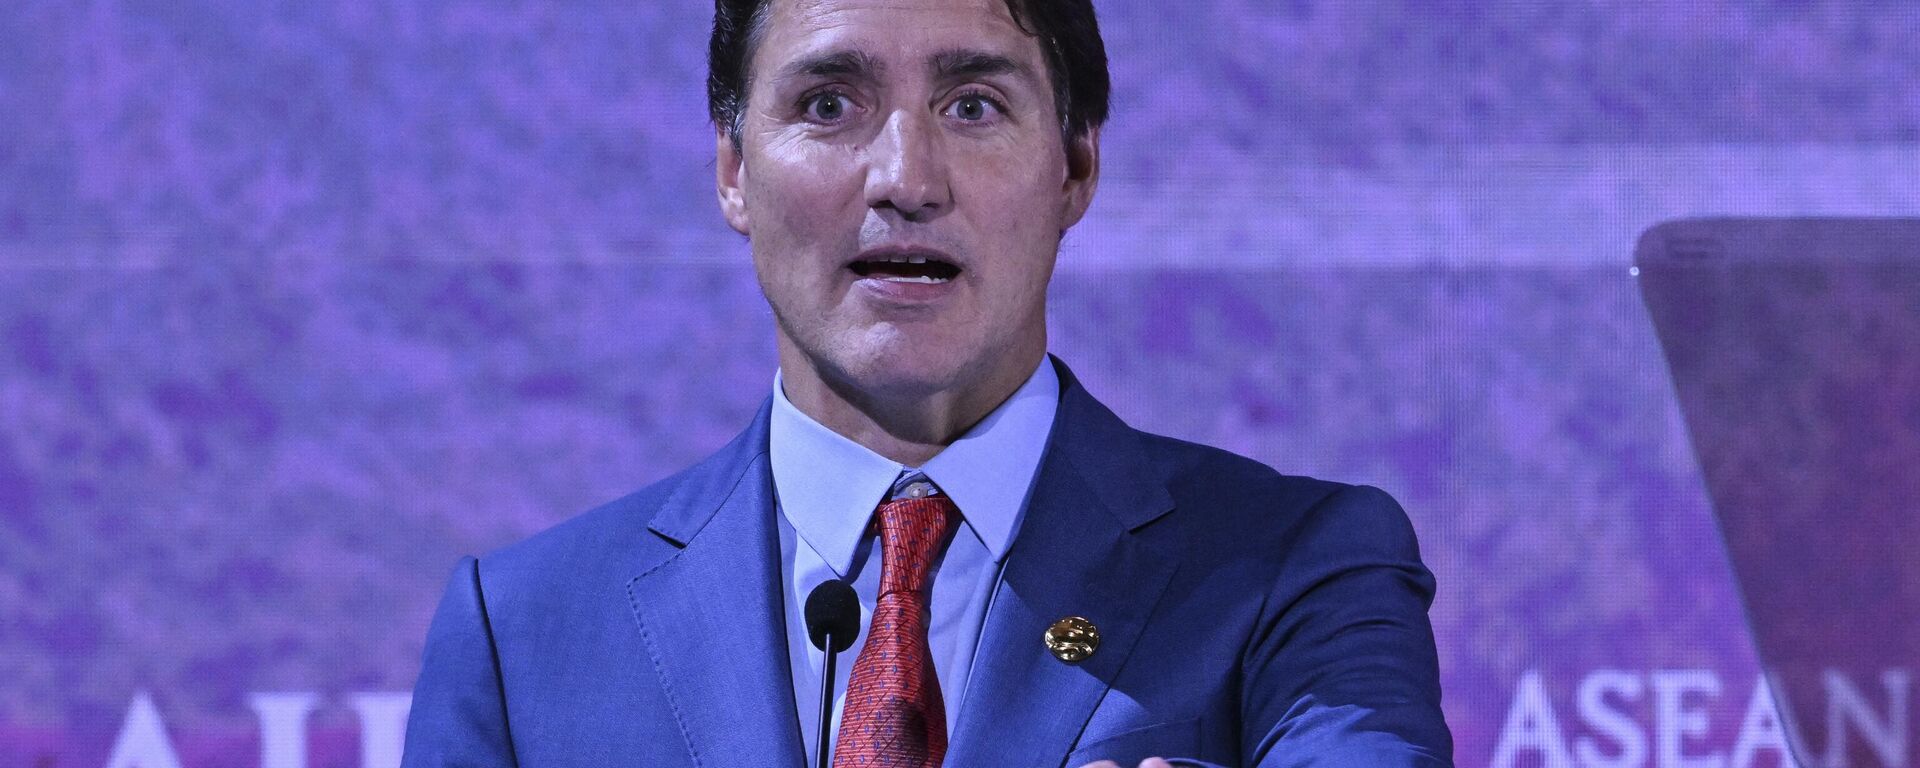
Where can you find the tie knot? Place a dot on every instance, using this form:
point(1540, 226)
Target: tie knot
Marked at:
point(912, 531)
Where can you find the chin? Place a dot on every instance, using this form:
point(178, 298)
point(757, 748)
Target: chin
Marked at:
point(898, 372)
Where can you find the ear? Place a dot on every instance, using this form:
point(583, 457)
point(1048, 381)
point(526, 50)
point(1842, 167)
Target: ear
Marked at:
point(729, 169)
point(1083, 175)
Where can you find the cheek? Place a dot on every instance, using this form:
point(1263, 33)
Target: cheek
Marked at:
point(799, 201)
point(1016, 188)
point(1019, 208)
point(802, 191)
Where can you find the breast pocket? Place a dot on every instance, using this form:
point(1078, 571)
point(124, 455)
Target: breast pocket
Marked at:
point(1171, 740)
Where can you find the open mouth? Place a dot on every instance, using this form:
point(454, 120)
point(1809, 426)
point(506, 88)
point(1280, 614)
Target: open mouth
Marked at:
point(906, 269)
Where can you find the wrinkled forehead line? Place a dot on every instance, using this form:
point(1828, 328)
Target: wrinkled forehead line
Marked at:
point(790, 30)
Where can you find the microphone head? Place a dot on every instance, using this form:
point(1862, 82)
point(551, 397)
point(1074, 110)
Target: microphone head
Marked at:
point(833, 611)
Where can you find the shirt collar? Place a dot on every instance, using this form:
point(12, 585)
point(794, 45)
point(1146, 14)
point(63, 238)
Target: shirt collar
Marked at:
point(828, 485)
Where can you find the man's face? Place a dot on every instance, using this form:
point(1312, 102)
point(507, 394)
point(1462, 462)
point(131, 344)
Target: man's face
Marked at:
point(882, 133)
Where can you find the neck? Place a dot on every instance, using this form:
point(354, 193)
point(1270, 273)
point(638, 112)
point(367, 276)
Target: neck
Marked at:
point(908, 429)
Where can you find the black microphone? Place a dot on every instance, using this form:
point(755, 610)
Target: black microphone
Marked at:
point(833, 621)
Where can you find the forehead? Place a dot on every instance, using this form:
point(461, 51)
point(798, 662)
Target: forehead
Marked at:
point(890, 29)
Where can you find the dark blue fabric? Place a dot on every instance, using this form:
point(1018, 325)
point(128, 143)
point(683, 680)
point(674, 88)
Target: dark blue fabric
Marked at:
point(1246, 618)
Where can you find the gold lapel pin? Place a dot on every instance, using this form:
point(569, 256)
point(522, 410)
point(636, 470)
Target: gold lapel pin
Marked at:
point(1072, 639)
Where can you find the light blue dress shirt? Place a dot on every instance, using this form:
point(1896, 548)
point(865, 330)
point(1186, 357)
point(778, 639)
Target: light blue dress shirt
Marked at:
point(827, 486)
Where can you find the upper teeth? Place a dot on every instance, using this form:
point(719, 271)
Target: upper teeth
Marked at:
point(908, 260)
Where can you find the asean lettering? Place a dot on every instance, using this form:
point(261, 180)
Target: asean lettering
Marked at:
point(143, 740)
point(1663, 718)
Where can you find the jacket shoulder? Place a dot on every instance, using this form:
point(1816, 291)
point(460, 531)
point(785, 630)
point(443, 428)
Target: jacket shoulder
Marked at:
point(603, 538)
point(1195, 470)
point(1232, 502)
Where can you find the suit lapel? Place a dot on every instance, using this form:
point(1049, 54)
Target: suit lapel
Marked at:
point(712, 614)
point(1076, 554)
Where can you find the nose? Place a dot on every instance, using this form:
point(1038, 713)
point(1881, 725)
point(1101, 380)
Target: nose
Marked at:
point(907, 169)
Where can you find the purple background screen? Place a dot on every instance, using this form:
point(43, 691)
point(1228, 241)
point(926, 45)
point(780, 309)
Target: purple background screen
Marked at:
point(299, 302)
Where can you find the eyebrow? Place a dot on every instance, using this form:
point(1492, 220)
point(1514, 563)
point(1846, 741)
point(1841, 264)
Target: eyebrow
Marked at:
point(952, 64)
point(833, 64)
point(963, 63)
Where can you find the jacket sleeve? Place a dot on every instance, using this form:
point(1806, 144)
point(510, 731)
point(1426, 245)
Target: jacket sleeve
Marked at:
point(459, 716)
point(1341, 670)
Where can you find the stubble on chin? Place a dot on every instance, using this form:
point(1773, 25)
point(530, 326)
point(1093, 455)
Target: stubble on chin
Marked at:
point(882, 362)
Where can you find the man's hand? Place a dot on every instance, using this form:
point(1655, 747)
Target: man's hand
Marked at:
point(1151, 762)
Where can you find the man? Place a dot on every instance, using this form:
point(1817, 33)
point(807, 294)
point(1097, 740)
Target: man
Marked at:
point(1040, 584)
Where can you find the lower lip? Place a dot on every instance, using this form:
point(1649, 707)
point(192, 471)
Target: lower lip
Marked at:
point(898, 292)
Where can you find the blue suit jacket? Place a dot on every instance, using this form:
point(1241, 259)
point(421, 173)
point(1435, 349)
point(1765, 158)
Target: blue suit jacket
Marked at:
point(1245, 618)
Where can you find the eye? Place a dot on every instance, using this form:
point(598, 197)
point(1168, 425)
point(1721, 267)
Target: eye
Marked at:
point(827, 106)
point(975, 107)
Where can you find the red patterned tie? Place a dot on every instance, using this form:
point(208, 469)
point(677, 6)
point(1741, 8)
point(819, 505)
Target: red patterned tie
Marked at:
point(894, 717)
